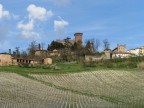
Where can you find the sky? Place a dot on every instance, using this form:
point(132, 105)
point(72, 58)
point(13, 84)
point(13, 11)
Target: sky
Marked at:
point(24, 21)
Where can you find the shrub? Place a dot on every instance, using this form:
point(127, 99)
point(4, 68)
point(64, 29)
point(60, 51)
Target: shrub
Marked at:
point(120, 65)
point(108, 65)
point(25, 65)
point(132, 65)
point(54, 67)
point(140, 65)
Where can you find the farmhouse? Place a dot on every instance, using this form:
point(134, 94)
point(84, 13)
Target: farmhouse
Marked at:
point(137, 51)
point(16, 61)
point(5, 59)
point(120, 52)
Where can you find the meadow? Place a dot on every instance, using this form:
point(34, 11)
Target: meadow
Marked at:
point(71, 86)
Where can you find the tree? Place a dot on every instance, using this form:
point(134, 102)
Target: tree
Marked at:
point(55, 45)
point(33, 46)
point(42, 45)
point(106, 44)
point(97, 44)
point(24, 54)
point(67, 49)
point(17, 52)
point(89, 47)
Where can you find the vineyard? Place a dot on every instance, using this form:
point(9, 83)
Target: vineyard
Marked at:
point(121, 87)
point(19, 92)
point(95, 89)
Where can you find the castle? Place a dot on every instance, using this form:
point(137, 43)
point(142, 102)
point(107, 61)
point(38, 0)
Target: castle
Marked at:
point(78, 39)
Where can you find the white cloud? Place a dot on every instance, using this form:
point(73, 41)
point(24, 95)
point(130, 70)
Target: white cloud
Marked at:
point(38, 13)
point(4, 13)
point(30, 34)
point(26, 27)
point(35, 14)
point(61, 2)
point(59, 26)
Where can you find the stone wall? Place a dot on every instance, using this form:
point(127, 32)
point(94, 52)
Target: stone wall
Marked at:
point(92, 58)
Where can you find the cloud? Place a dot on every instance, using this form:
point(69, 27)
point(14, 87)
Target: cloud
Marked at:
point(38, 13)
point(4, 13)
point(27, 29)
point(59, 26)
point(61, 2)
point(30, 34)
point(35, 14)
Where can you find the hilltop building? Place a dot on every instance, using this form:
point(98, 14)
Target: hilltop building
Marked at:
point(40, 52)
point(78, 39)
point(120, 48)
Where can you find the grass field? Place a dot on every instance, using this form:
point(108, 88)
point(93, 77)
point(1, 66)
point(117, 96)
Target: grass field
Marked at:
point(71, 87)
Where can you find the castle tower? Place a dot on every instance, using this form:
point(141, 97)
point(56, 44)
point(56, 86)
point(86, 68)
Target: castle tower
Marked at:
point(121, 48)
point(107, 54)
point(78, 37)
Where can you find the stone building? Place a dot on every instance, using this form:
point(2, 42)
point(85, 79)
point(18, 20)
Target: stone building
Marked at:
point(78, 38)
point(120, 52)
point(107, 54)
point(137, 51)
point(5, 59)
point(120, 48)
point(47, 61)
point(16, 61)
point(40, 52)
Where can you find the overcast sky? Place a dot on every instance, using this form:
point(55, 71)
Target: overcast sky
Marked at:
point(119, 21)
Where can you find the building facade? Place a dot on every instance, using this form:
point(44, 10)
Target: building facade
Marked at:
point(5, 59)
point(120, 48)
point(137, 51)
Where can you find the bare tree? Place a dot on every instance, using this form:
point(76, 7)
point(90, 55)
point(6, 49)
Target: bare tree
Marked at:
point(31, 49)
point(17, 52)
point(106, 44)
point(24, 54)
point(42, 45)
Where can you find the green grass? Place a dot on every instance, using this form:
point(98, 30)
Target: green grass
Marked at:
point(64, 68)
